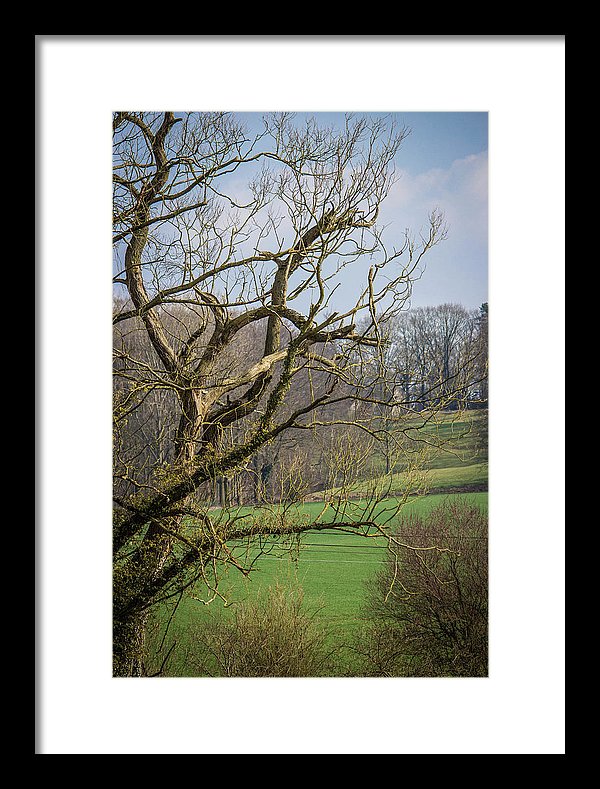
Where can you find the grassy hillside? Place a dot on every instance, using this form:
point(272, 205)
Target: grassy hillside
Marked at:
point(452, 457)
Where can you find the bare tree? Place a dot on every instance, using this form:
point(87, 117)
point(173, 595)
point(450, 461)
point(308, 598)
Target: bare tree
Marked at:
point(227, 285)
point(436, 352)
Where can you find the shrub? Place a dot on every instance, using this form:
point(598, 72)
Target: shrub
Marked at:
point(272, 636)
point(427, 610)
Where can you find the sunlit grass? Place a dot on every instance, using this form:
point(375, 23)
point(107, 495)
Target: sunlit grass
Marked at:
point(331, 567)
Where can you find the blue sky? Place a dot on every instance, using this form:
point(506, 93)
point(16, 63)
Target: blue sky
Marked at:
point(443, 164)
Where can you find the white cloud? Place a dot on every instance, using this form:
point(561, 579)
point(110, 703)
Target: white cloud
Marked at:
point(456, 270)
point(463, 186)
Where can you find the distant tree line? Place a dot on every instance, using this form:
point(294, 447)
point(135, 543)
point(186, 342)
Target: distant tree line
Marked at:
point(429, 357)
point(438, 355)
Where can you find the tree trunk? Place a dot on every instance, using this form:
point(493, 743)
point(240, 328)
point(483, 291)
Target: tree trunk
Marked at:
point(129, 645)
point(131, 606)
point(130, 603)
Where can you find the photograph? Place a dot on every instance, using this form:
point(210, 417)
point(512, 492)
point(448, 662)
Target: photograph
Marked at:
point(300, 397)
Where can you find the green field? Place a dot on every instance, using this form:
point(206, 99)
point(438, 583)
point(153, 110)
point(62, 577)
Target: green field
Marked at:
point(330, 567)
